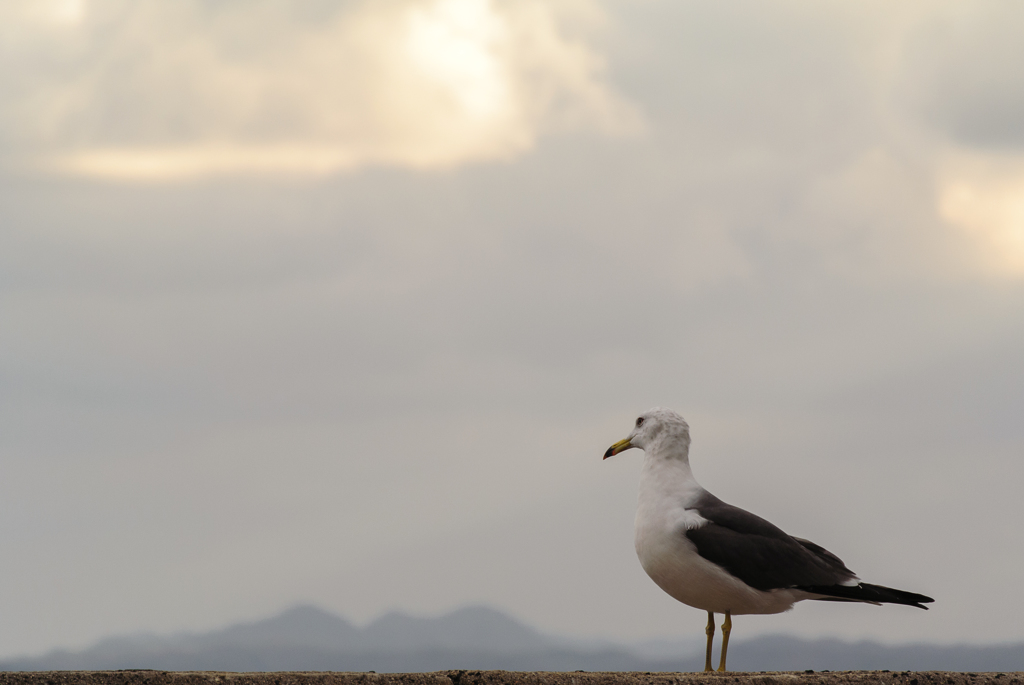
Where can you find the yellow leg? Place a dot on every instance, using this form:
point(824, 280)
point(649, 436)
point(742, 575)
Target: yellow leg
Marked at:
point(710, 631)
point(726, 629)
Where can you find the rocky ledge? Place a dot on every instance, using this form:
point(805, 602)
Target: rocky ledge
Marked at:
point(508, 678)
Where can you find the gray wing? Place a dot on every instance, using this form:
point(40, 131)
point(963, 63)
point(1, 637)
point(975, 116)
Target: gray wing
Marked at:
point(759, 553)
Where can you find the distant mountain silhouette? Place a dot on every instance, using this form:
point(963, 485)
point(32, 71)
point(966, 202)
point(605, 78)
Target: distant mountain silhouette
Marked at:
point(306, 638)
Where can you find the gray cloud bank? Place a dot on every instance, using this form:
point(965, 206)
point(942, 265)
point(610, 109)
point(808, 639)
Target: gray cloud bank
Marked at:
point(391, 387)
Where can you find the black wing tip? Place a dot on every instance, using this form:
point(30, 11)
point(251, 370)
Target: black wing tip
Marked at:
point(922, 600)
point(865, 592)
point(911, 598)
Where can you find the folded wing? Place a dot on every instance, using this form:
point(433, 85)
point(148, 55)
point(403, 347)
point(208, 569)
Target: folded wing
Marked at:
point(766, 558)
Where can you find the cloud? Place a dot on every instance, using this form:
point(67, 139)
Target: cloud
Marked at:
point(146, 90)
point(985, 198)
point(956, 95)
point(967, 81)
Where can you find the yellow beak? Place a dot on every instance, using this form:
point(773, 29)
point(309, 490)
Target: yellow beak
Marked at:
point(620, 446)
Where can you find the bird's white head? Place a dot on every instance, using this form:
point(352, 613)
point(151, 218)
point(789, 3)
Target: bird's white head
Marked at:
point(660, 432)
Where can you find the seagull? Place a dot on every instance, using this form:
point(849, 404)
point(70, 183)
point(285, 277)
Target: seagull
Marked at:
point(720, 558)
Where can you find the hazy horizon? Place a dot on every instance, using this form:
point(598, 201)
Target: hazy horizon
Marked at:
point(684, 645)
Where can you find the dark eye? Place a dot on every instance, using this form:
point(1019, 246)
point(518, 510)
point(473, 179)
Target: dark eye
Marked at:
point(640, 422)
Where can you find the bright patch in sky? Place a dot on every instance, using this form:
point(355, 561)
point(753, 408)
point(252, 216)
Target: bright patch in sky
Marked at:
point(68, 11)
point(990, 206)
point(158, 164)
point(455, 43)
point(52, 12)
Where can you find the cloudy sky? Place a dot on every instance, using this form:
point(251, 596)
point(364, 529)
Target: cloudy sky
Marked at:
point(342, 302)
